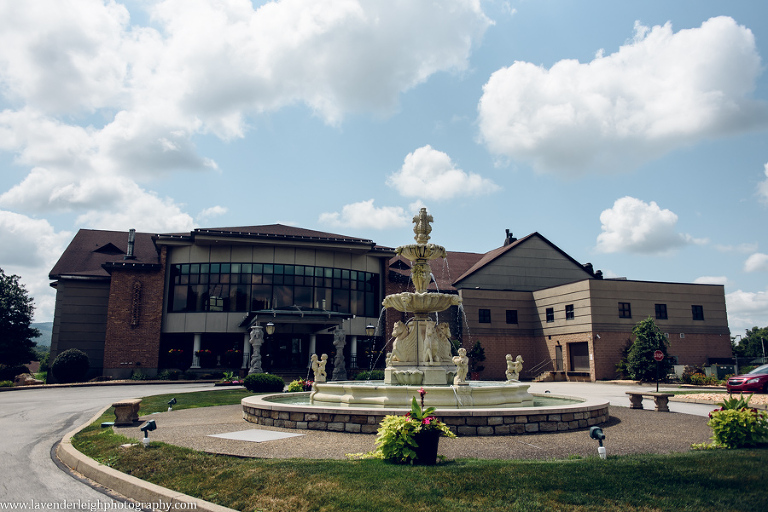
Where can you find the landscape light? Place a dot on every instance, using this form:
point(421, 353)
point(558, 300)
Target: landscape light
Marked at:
point(171, 403)
point(146, 428)
point(597, 433)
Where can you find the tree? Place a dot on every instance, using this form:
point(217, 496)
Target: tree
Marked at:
point(640, 362)
point(16, 308)
point(751, 345)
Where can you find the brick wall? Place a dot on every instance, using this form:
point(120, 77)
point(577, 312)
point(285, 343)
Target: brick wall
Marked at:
point(134, 320)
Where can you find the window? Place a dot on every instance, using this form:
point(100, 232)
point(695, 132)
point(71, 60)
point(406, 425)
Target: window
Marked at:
point(511, 316)
point(698, 312)
point(550, 314)
point(661, 311)
point(625, 310)
point(569, 312)
point(485, 316)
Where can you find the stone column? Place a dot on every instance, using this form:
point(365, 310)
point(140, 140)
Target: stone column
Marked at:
point(195, 348)
point(312, 347)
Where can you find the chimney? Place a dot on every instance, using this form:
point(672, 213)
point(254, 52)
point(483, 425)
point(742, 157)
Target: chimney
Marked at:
point(131, 239)
point(509, 238)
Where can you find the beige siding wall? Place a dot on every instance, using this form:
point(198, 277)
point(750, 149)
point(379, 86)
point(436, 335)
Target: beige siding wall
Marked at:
point(533, 265)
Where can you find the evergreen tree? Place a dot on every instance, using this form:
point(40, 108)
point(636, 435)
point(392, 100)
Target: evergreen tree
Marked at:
point(16, 345)
point(640, 362)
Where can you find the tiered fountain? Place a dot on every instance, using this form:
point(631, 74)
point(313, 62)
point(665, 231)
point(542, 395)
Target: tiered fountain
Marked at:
point(421, 357)
point(421, 352)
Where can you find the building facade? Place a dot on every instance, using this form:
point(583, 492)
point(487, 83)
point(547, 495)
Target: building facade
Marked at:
point(146, 303)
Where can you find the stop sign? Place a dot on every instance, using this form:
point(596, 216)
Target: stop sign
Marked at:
point(658, 355)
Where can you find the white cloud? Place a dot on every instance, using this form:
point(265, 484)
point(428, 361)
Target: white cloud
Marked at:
point(101, 106)
point(632, 225)
point(762, 187)
point(662, 91)
point(757, 262)
point(209, 213)
point(744, 248)
point(430, 174)
point(711, 280)
point(746, 310)
point(365, 215)
point(29, 248)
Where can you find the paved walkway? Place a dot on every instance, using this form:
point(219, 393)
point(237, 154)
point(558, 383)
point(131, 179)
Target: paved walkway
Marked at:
point(628, 431)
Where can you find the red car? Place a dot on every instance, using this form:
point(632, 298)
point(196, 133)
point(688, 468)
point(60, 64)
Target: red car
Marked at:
point(756, 380)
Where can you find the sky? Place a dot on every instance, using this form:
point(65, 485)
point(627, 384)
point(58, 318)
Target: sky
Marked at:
point(632, 135)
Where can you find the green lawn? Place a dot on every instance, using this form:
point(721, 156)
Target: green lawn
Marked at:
point(716, 480)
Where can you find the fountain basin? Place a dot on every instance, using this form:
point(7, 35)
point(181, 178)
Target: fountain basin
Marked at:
point(420, 303)
point(424, 252)
point(353, 392)
point(480, 421)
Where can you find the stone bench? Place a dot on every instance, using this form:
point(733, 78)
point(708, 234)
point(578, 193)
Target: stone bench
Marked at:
point(660, 399)
point(127, 411)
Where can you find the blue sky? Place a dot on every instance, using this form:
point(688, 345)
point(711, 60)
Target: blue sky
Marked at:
point(630, 134)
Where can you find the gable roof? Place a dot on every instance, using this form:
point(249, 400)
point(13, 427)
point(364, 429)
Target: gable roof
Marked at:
point(493, 255)
point(91, 249)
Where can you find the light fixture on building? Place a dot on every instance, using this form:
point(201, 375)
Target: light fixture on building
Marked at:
point(270, 328)
point(370, 330)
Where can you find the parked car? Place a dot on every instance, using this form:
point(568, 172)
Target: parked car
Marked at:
point(756, 380)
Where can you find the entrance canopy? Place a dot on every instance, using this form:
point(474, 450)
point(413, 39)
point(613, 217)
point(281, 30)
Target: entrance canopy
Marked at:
point(311, 319)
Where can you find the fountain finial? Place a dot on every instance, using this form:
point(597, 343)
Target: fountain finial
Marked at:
point(422, 227)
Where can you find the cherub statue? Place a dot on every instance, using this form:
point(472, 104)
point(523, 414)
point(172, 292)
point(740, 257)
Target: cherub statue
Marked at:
point(462, 366)
point(514, 368)
point(318, 367)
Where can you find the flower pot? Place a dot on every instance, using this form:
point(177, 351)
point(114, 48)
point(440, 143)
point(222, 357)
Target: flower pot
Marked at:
point(426, 452)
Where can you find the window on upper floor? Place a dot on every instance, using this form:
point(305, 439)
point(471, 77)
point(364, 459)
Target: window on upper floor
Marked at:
point(697, 312)
point(484, 316)
point(550, 314)
point(569, 312)
point(511, 316)
point(661, 311)
point(625, 310)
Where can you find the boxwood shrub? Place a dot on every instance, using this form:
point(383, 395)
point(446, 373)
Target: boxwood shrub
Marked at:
point(70, 366)
point(263, 383)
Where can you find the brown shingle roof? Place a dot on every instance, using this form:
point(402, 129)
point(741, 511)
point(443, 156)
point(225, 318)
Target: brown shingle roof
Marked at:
point(281, 231)
point(92, 248)
point(455, 264)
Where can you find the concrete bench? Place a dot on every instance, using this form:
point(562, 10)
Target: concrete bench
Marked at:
point(660, 399)
point(127, 411)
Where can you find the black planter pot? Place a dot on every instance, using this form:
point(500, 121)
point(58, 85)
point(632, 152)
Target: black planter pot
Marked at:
point(426, 452)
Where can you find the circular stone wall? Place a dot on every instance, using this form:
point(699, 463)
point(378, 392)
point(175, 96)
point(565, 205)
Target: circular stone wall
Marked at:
point(464, 422)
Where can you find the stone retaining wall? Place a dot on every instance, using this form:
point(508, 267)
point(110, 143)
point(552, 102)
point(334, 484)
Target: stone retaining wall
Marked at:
point(464, 422)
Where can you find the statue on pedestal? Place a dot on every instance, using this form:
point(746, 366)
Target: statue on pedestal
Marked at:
point(318, 367)
point(339, 341)
point(514, 368)
point(256, 339)
point(462, 367)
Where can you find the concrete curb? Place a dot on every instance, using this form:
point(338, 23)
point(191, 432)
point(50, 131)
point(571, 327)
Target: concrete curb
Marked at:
point(109, 383)
point(129, 486)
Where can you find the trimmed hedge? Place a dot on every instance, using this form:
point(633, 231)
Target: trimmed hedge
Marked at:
point(70, 366)
point(263, 383)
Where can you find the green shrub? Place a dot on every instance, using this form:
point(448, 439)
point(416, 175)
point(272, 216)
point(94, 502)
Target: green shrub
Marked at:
point(6, 384)
point(139, 375)
point(10, 372)
point(370, 375)
point(70, 366)
point(169, 375)
point(299, 385)
point(737, 428)
point(189, 375)
point(263, 383)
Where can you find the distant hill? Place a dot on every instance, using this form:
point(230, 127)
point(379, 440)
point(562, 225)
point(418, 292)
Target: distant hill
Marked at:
point(46, 331)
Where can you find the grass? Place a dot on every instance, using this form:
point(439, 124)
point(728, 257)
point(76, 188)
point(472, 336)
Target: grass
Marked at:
point(159, 403)
point(713, 480)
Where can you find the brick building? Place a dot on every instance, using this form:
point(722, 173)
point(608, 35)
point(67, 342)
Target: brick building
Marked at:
point(144, 302)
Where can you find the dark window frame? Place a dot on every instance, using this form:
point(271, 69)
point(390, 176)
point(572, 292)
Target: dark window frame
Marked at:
point(512, 317)
point(625, 310)
point(661, 311)
point(569, 312)
point(697, 312)
point(550, 315)
point(484, 316)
